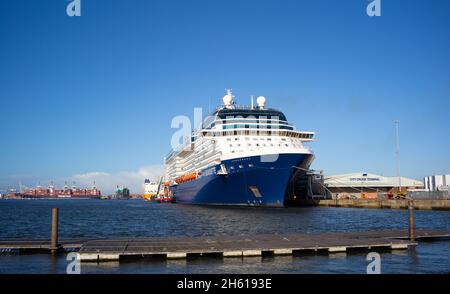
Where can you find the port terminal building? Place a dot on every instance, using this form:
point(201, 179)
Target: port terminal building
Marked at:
point(367, 185)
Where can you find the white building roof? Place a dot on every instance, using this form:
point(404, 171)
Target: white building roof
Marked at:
point(369, 180)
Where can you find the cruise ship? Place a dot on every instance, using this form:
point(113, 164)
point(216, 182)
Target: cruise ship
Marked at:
point(240, 156)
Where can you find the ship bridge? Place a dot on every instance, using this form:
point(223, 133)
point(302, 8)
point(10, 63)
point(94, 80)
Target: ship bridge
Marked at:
point(248, 111)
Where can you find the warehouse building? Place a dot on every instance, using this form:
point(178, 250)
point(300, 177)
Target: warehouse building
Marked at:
point(367, 185)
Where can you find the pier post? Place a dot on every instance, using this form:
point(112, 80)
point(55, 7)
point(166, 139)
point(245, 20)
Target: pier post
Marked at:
point(54, 234)
point(411, 220)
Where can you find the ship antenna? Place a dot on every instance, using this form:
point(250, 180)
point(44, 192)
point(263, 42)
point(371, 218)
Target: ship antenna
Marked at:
point(252, 101)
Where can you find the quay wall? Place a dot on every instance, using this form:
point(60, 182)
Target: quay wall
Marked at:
point(390, 203)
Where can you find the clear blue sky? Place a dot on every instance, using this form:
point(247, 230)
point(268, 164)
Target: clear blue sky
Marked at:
point(97, 93)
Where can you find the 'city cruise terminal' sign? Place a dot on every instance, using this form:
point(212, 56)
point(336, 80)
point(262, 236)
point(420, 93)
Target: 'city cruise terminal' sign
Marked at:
point(365, 179)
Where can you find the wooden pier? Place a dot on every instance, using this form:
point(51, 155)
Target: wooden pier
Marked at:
point(227, 246)
point(241, 246)
point(38, 245)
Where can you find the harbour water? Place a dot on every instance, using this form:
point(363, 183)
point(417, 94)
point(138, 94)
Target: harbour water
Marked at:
point(30, 219)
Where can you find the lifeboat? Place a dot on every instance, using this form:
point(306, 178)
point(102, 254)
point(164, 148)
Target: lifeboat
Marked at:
point(187, 178)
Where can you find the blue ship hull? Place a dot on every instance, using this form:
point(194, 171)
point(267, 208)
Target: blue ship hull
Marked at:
point(249, 182)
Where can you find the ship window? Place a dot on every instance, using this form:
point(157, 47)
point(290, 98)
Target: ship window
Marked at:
point(249, 145)
point(228, 139)
point(241, 166)
point(250, 165)
point(236, 139)
point(232, 167)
